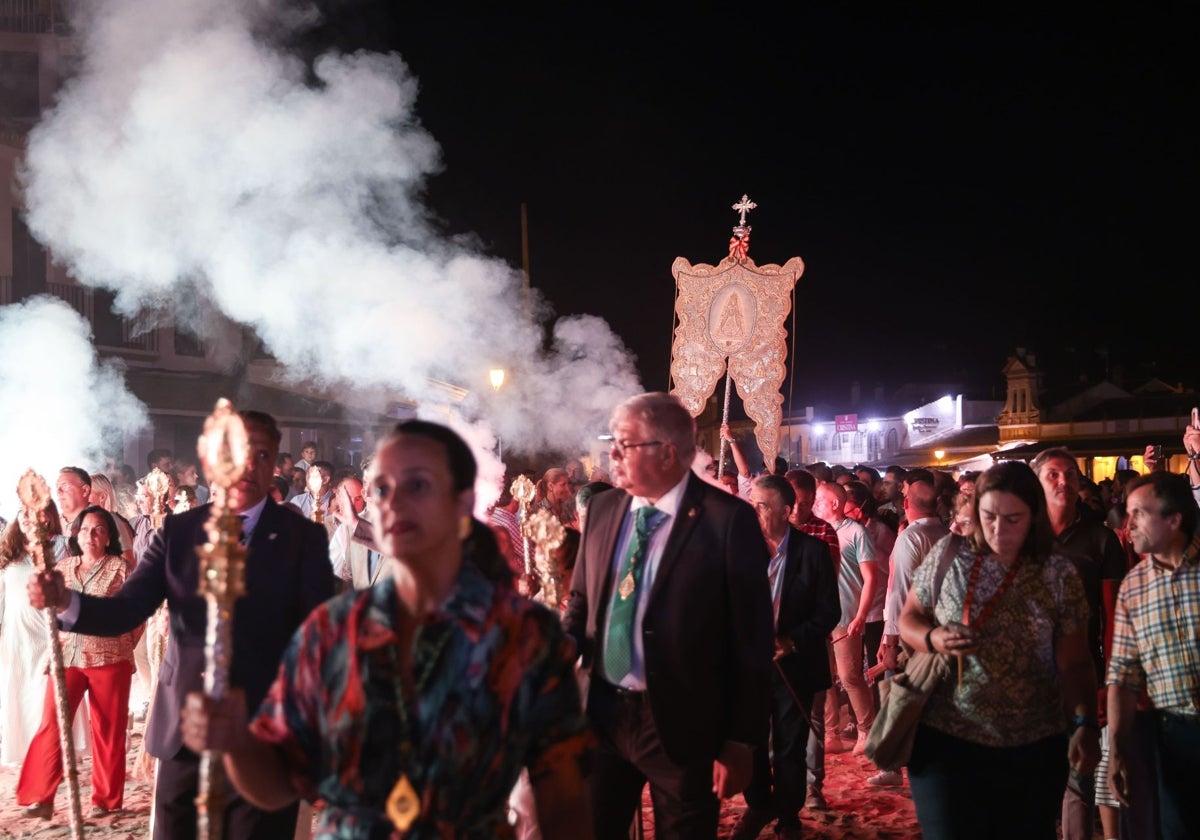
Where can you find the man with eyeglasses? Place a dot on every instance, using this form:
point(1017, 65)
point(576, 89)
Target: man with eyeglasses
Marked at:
point(287, 574)
point(671, 610)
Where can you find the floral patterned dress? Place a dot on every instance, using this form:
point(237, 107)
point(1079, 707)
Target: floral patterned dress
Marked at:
point(1010, 692)
point(498, 693)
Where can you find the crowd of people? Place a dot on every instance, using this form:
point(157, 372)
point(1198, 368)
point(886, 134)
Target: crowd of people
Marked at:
point(409, 670)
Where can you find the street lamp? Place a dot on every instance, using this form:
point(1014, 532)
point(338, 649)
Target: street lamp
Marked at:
point(939, 454)
point(496, 377)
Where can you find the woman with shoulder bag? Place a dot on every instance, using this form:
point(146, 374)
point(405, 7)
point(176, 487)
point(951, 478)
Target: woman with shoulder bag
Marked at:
point(991, 754)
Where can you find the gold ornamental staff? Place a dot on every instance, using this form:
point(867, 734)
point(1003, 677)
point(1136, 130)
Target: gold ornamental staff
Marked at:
point(546, 533)
point(313, 480)
point(158, 485)
point(224, 449)
point(34, 494)
point(523, 491)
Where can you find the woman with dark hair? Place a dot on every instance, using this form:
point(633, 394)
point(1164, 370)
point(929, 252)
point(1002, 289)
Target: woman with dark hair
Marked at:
point(410, 708)
point(101, 667)
point(997, 736)
point(23, 638)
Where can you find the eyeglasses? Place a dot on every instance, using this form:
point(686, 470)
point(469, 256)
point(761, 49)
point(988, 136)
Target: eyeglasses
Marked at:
point(623, 448)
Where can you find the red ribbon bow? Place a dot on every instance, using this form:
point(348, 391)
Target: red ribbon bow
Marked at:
point(739, 246)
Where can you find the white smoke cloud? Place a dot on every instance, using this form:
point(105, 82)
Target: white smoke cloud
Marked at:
point(188, 155)
point(63, 406)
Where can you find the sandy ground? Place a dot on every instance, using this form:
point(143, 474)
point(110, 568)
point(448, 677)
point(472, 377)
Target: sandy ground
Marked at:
point(856, 810)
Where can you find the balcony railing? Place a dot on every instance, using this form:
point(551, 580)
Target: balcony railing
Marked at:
point(33, 16)
point(78, 298)
point(134, 335)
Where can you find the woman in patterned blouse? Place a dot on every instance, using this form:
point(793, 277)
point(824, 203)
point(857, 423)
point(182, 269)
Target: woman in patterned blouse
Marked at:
point(996, 737)
point(409, 709)
point(102, 667)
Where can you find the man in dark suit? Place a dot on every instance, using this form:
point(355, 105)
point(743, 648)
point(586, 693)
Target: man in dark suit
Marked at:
point(677, 641)
point(287, 574)
point(806, 609)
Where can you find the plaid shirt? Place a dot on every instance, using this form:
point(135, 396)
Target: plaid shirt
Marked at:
point(1156, 633)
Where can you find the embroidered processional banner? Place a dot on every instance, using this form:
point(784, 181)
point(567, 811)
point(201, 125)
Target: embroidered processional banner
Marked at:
point(731, 319)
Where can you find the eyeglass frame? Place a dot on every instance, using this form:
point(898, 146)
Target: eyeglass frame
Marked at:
point(622, 448)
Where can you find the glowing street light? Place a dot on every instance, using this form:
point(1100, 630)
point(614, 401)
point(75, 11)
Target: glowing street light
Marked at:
point(939, 454)
point(496, 377)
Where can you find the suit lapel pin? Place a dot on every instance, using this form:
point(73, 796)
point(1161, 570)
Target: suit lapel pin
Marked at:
point(272, 536)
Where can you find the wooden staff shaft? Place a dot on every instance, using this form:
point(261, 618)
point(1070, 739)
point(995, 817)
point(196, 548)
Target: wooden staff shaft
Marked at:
point(724, 420)
point(218, 646)
point(62, 706)
point(525, 540)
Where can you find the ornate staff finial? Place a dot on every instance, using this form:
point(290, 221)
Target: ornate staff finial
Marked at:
point(739, 243)
point(523, 491)
point(313, 481)
point(158, 483)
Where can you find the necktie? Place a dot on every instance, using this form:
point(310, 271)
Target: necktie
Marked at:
point(245, 540)
point(618, 645)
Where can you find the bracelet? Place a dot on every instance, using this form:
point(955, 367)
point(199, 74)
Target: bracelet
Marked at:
point(1084, 720)
point(929, 641)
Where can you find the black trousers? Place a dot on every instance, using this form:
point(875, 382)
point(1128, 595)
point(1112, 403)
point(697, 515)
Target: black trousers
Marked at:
point(779, 783)
point(175, 807)
point(1178, 757)
point(630, 754)
point(967, 790)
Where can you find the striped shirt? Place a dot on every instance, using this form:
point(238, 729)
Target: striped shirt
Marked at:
point(105, 578)
point(814, 526)
point(1156, 633)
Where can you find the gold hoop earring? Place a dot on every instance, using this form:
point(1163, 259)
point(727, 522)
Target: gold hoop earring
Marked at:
point(464, 527)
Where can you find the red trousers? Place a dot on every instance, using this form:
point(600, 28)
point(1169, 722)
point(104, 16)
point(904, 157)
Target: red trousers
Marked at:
point(107, 688)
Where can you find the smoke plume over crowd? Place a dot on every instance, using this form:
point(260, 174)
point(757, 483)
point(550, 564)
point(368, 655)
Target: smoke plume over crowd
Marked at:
point(188, 158)
point(62, 406)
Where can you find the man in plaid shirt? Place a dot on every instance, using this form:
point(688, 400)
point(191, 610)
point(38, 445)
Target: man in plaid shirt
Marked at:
point(1156, 647)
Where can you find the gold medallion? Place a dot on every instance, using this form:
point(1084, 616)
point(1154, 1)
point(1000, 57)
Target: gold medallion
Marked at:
point(402, 805)
point(627, 586)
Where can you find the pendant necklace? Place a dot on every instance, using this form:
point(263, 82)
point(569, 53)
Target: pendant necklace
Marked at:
point(403, 803)
point(969, 599)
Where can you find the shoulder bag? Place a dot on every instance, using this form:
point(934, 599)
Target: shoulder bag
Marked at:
point(890, 741)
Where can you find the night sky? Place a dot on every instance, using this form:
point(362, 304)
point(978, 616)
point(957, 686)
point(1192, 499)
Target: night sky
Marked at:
point(957, 187)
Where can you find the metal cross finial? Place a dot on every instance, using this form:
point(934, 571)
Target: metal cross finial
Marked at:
point(743, 207)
